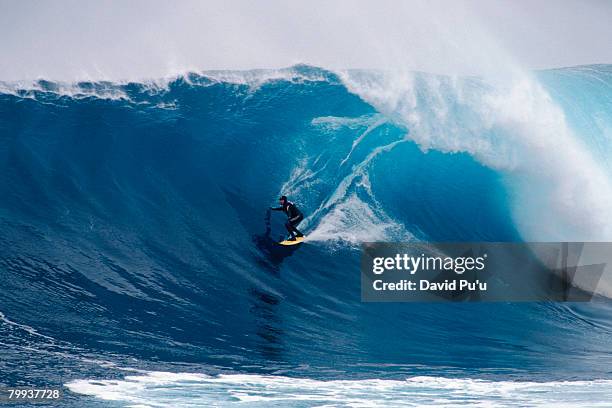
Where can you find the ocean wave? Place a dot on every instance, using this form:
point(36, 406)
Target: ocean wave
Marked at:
point(141, 220)
point(159, 389)
point(511, 125)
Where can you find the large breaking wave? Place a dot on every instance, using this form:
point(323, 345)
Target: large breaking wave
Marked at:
point(134, 219)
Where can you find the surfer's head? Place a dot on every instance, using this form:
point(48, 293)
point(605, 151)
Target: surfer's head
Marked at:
point(282, 200)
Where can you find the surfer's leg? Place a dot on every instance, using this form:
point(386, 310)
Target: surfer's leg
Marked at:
point(290, 229)
point(294, 224)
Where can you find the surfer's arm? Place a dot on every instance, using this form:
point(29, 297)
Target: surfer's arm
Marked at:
point(276, 208)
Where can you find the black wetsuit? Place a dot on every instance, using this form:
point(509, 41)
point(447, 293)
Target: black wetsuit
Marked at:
point(295, 217)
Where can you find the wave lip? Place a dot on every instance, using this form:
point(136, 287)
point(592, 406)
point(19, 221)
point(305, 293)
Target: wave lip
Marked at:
point(159, 389)
point(140, 91)
point(514, 126)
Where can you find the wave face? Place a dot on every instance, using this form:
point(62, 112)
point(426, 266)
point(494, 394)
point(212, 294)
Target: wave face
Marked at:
point(135, 231)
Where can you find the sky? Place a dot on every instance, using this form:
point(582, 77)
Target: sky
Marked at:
point(115, 39)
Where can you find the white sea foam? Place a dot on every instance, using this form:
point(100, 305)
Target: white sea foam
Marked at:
point(334, 123)
point(558, 190)
point(356, 142)
point(353, 221)
point(114, 90)
point(256, 78)
point(30, 330)
point(350, 214)
point(163, 389)
point(29, 90)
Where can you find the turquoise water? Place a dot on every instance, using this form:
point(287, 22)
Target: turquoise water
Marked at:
point(135, 236)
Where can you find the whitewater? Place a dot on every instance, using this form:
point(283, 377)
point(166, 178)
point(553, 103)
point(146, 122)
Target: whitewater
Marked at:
point(139, 263)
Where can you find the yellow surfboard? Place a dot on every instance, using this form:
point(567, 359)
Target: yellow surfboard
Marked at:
point(298, 240)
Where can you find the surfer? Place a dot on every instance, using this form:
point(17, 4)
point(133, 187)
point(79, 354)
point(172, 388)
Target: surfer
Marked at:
point(294, 214)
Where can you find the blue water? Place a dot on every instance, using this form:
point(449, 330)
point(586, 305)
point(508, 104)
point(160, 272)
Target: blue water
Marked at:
point(136, 242)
